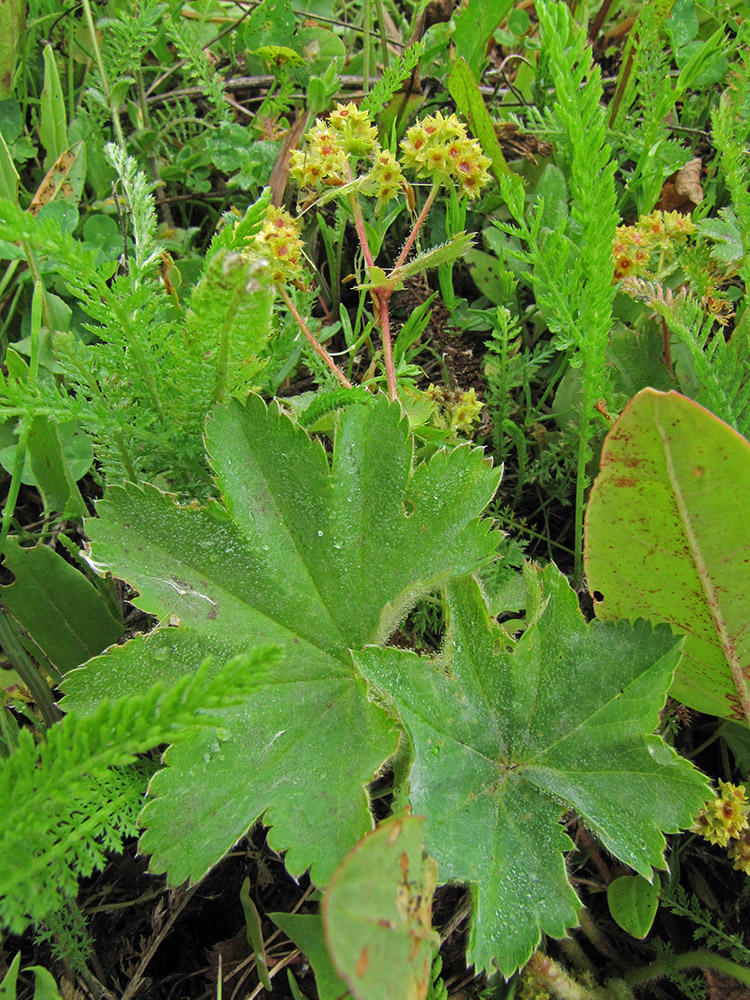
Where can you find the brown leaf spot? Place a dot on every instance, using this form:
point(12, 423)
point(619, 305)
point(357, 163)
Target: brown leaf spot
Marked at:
point(362, 962)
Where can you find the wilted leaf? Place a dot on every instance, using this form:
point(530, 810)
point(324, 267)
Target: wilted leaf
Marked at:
point(505, 742)
point(314, 558)
point(667, 540)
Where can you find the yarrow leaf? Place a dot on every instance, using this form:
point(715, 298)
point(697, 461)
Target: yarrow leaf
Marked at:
point(315, 558)
point(506, 741)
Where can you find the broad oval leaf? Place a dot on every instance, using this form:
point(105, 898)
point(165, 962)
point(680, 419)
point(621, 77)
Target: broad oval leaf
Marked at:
point(377, 914)
point(505, 742)
point(633, 902)
point(667, 540)
point(313, 557)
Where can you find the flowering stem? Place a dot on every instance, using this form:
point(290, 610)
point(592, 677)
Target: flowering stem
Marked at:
point(316, 346)
point(699, 959)
point(359, 224)
point(385, 330)
point(417, 226)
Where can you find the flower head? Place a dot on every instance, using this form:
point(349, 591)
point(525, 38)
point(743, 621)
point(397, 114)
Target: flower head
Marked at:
point(387, 177)
point(279, 243)
point(441, 148)
point(725, 816)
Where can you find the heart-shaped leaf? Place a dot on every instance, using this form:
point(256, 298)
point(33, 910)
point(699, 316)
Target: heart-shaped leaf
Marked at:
point(667, 540)
point(505, 741)
point(313, 557)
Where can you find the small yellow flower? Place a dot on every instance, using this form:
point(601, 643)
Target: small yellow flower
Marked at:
point(739, 852)
point(280, 244)
point(725, 816)
point(441, 147)
point(387, 177)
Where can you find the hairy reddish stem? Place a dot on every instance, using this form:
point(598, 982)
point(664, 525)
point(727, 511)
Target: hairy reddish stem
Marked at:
point(385, 330)
point(315, 344)
point(359, 225)
point(417, 226)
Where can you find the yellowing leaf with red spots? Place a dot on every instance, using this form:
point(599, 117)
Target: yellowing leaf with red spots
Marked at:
point(668, 539)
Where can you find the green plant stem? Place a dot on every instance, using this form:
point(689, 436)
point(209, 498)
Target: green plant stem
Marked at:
point(222, 360)
point(103, 74)
point(37, 306)
point(699, 959)
point(315, 344)
point(417, 226)
point(584, 436)
point(147, 375)
point(552, 977)
point(37, 276)
point(383, 32)
point(366, 15)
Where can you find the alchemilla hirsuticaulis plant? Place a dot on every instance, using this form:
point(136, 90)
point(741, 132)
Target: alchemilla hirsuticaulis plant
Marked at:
point(343, 159)
point(281, 568)
point(319, 556)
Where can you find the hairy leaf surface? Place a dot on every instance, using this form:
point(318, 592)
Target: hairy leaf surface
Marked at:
point(506, 741)
point(313, 557)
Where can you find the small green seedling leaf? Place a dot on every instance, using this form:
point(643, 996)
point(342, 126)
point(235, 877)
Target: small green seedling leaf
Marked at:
point(475, 25)
point(506, 741)
point(633, 902)
point(377, 914)
point(318, 558)
point(45, 987)
point(454, 249)
point(667, 540)
point(255, 935)
point(306, 931)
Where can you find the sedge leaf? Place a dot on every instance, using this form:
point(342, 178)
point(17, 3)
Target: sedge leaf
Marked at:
point(316, 558)
point(505, 742)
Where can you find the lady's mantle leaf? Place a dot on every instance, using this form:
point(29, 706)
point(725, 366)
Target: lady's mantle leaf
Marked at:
point(504, 742)
point(313, 558)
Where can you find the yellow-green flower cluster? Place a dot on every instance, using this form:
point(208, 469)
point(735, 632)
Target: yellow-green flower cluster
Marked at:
point(387, 177)
point(454, 410)
point(357, 135)
point(280, 244)
point(322, 161)
point(724, 817)
point(739, 852)
point(441, 148)
point(348, 132)
point(633, 245)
